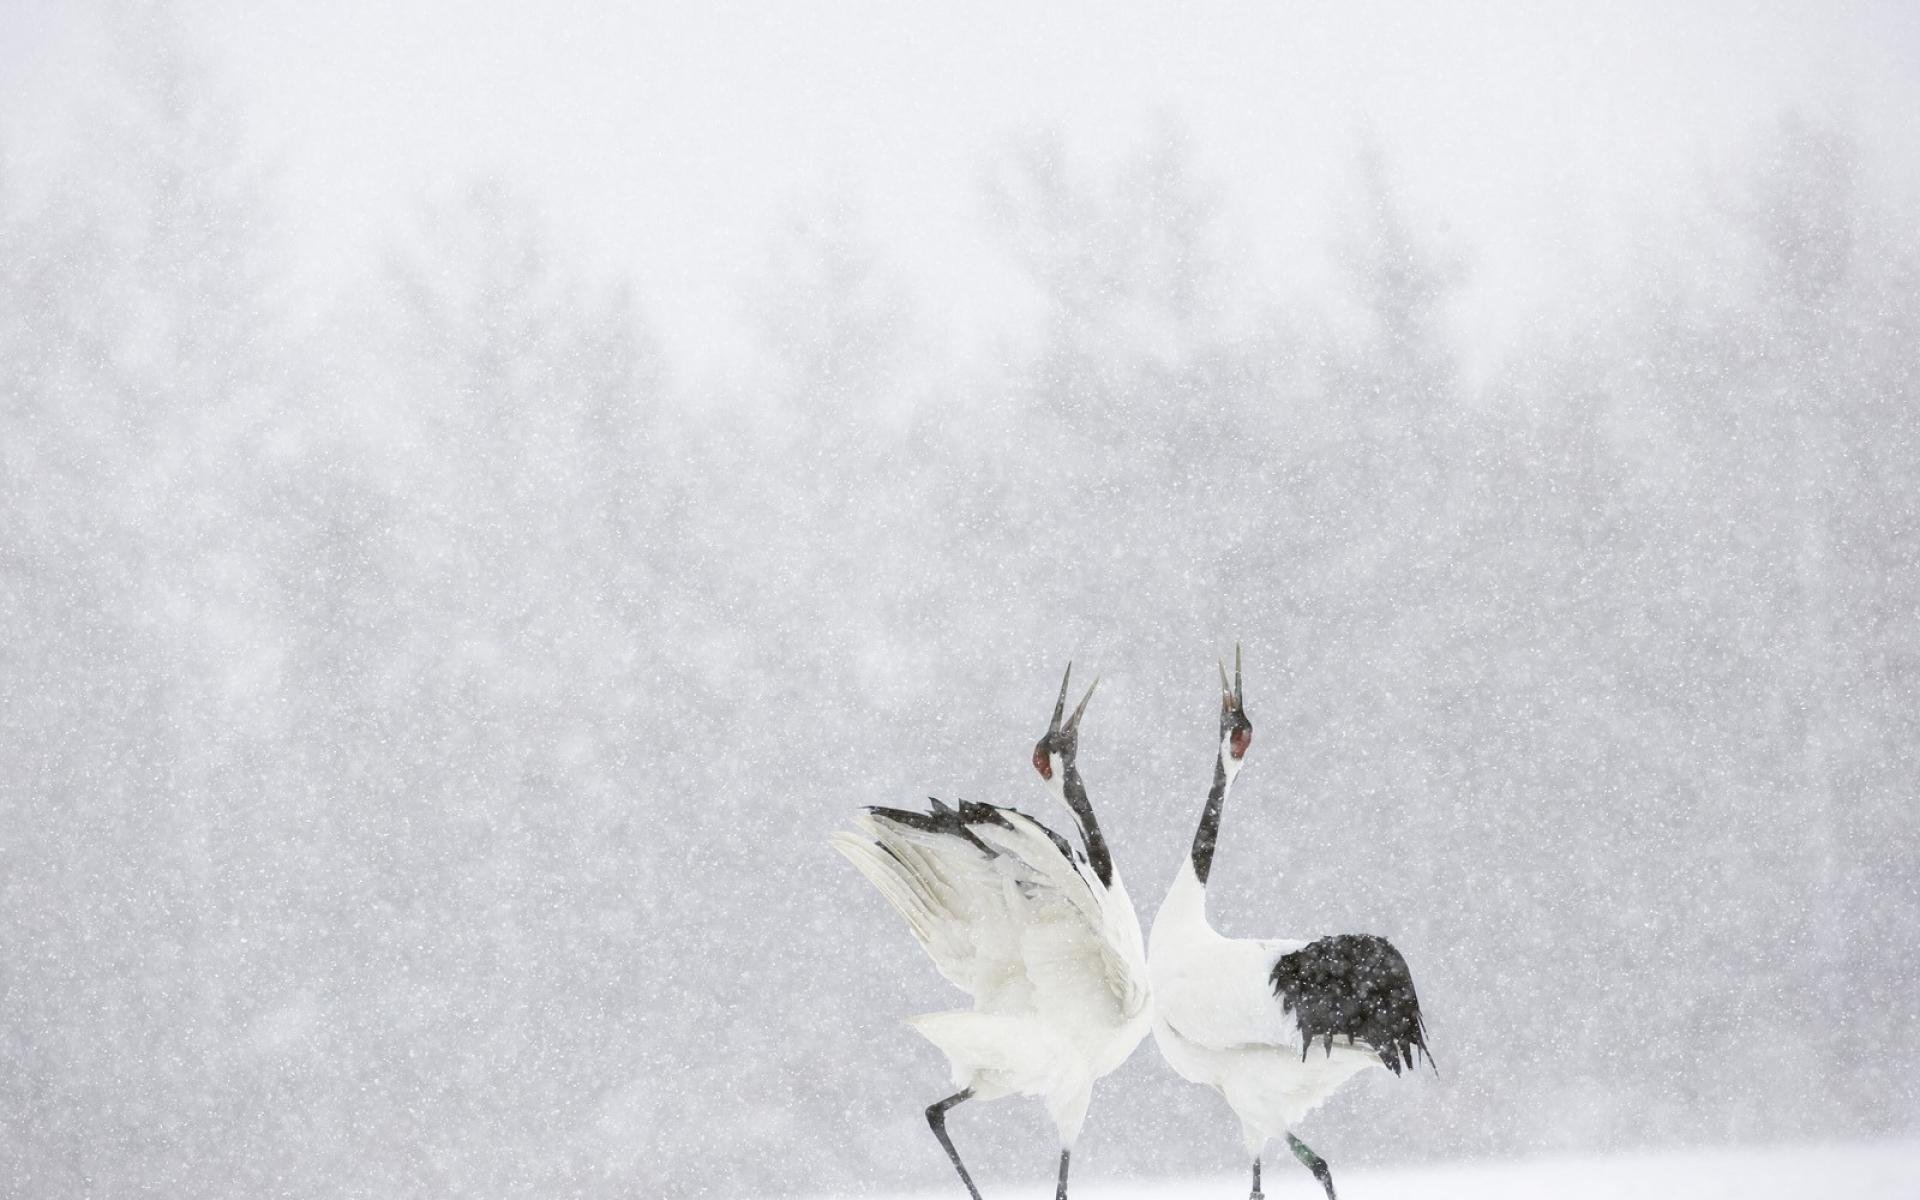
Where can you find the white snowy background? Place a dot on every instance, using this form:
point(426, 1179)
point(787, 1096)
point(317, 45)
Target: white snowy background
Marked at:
point(484, 489)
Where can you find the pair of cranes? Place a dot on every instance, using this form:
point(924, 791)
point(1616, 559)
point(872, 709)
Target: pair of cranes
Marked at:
point(1045, 940)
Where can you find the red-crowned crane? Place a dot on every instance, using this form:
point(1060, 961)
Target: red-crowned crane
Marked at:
point(1042, 937)
point(1275, 1026)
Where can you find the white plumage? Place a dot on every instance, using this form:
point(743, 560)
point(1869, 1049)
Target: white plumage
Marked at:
point(1275, 1026)
point(1052, 959)
point(1042, 938)
point(1218, 1022)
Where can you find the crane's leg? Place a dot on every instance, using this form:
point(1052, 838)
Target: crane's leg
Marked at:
point(1256, 1193)
point(937, 1120)
point(1313, 1162)
point(1060, 1191)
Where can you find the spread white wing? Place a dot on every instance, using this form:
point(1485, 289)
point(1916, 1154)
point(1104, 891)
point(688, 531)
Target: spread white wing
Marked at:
point(1005, 909)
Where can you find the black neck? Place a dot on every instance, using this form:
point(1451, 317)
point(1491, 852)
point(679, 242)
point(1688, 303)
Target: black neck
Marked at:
point(1076, 795)
point(1209, 831)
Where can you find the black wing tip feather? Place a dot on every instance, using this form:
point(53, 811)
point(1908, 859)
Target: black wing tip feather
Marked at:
point(1354, 986)
point(942, 818)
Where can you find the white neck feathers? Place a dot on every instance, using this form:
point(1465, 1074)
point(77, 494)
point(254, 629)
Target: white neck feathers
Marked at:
point(1183, 914)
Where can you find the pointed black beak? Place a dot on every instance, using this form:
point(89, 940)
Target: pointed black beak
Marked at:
point(1073, 722)
point(1232, 695)
point(1060, 705)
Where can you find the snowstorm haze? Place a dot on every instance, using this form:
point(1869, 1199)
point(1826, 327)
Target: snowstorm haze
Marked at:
point(485, 495)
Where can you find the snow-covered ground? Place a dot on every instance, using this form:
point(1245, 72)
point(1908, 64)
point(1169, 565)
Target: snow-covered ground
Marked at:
point(1884, 1171)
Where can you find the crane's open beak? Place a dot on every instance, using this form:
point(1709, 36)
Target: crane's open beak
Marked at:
point(1060, 705)
point(1073, 722)
point(1232, 697)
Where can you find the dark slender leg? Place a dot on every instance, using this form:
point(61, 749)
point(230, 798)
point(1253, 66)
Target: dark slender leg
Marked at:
point(1060, 1192)
point(937, 1119)
point(1313, 1162)
point(1256, 1194)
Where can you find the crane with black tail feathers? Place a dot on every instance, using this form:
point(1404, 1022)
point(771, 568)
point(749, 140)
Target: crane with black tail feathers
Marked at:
point(1275, 1026)
point(1043, 938)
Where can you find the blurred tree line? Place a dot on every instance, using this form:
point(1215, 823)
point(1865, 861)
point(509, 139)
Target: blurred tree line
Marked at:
point(418, 732)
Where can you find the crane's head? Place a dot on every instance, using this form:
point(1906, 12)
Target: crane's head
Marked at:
point(1053, 754)
point(1236, 732)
